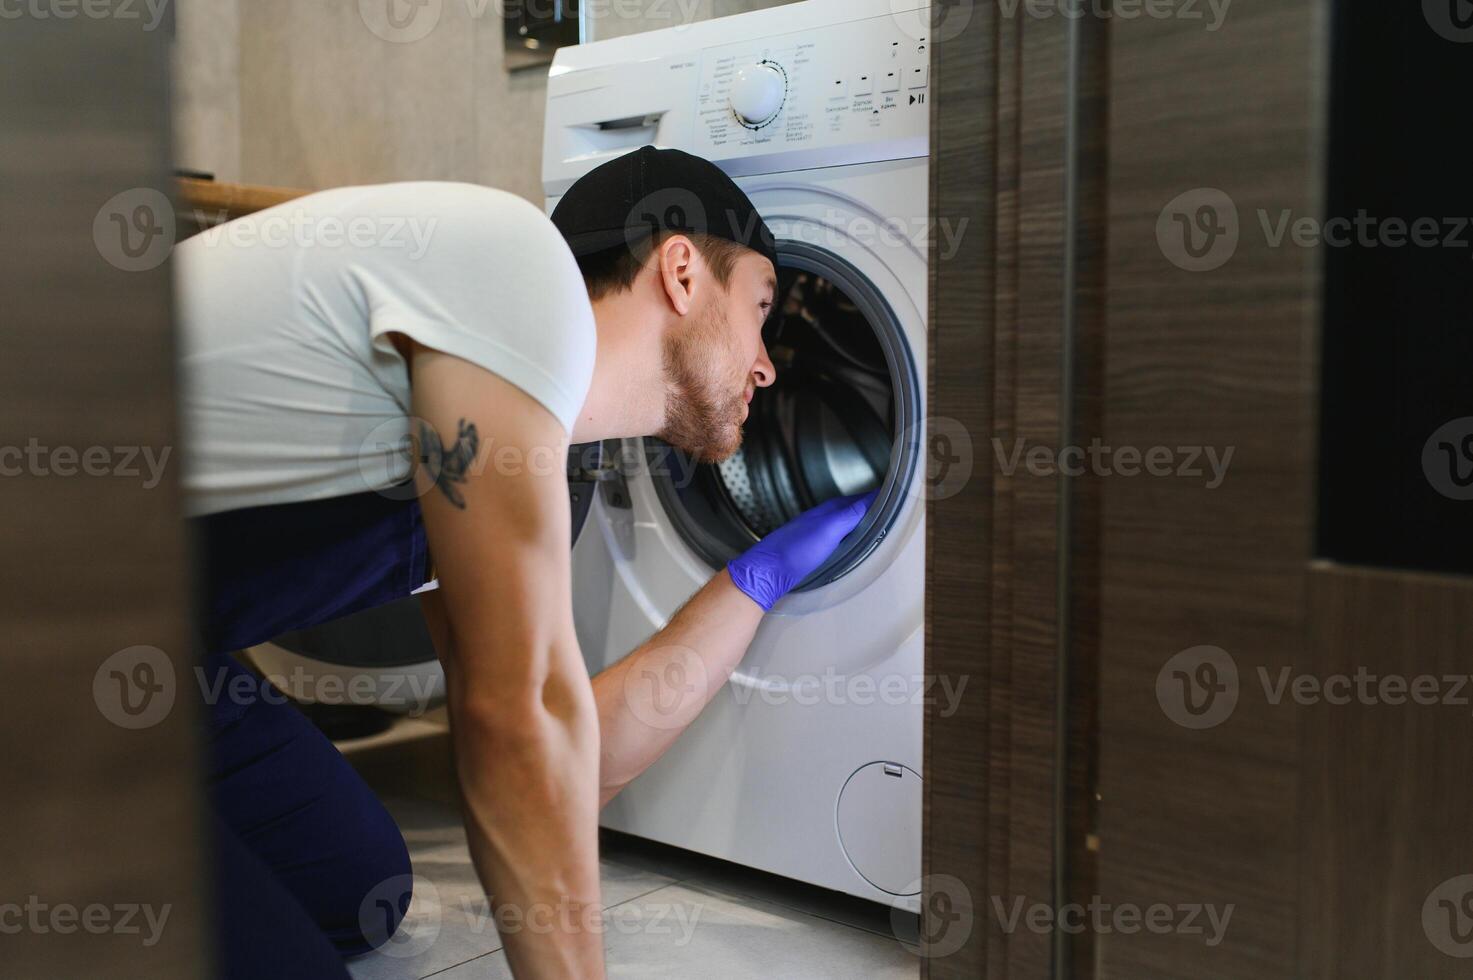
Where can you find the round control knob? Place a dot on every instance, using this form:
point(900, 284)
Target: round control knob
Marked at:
point(758, 92)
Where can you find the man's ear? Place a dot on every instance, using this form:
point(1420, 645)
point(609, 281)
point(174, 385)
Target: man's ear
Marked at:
point(676, 258)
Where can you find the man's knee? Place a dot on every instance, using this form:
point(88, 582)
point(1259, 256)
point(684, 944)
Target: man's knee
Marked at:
point(377, 888)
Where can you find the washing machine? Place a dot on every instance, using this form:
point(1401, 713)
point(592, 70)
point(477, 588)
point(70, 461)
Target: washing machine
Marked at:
point(808, 763)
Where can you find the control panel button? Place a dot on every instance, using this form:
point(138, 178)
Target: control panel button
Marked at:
point(864, 84)
point(758, 92)
point(891, 81)
point(920, 77)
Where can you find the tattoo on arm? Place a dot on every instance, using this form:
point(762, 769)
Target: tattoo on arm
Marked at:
point(447, 467)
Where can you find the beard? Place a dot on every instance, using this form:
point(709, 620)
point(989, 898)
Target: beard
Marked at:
point(703, 418)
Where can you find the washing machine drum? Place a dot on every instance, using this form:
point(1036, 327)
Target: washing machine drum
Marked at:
point(830, 426)
point(812, 439)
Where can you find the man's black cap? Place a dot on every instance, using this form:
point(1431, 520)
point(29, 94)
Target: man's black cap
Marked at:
point(625, 201)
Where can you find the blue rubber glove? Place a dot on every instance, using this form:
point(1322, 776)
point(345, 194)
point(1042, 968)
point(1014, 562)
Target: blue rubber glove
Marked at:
point(774, 566)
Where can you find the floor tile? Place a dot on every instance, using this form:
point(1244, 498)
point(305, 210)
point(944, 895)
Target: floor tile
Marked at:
point(434, 937)
point(684, 931)
point(449, 920)
point(670, 914)
point(740, 883)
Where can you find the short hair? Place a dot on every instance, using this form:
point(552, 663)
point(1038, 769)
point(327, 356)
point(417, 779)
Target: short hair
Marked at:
point(614, 270)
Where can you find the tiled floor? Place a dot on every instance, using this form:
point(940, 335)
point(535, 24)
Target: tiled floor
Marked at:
point(668, 914)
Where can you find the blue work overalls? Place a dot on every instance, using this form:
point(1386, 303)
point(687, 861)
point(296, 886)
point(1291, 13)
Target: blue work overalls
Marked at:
point(310, 868)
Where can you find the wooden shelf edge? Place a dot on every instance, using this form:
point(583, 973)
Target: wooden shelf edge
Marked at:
point(232, 200)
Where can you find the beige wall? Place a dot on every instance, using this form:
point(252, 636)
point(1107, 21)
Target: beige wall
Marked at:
point(207, 87)
point(315, 99)
point(304, 94)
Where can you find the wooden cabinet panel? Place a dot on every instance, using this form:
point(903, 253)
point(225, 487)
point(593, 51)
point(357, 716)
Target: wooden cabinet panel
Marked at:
point(1197, 358)
point(1385, 802)
point(1131, 750)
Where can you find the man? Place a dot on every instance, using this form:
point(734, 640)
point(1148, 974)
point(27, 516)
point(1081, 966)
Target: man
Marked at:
point(637, 310)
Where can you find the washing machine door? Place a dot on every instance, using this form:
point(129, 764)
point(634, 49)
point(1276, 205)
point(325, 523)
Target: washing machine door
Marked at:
point(842, 418)
point(845, 416)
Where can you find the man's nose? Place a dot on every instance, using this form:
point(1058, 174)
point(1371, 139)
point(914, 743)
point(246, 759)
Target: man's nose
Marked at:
point(763, 372)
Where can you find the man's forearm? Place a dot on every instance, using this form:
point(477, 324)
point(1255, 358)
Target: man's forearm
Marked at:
point(650, 697)
point(532, 824)
point(527, 769)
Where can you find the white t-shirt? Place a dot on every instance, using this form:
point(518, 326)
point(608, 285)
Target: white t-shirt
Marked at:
point(291, 388)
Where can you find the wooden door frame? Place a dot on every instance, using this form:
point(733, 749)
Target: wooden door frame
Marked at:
point(1012, 551)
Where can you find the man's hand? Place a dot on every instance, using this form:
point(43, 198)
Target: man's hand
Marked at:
point(779, 562)
point(649, 698)
point(493, 477)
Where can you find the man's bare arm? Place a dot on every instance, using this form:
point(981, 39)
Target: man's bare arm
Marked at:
point(523, 719)
point(649, 698)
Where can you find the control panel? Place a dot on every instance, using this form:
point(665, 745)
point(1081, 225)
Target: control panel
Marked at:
point(861, 81)
point(824, 83)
